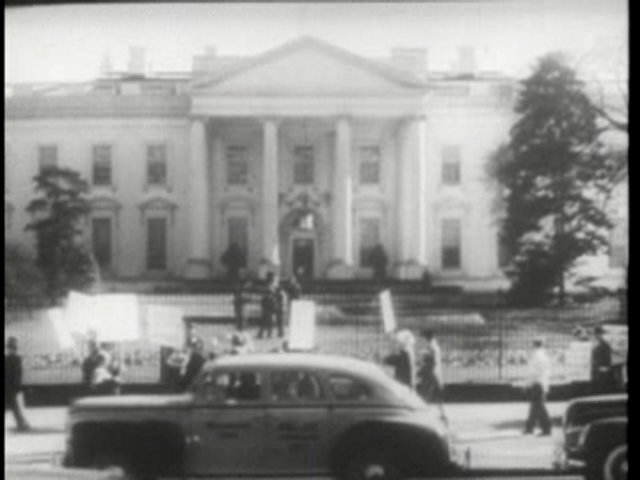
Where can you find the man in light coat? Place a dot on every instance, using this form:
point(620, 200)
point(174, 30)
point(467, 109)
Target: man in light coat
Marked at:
point(539, 380)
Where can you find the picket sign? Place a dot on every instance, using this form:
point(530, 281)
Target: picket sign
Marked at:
point(578, 361)
point(113, 317)
point(388, 315)
point(302, 328)
point(164, 326)
point(63, 333)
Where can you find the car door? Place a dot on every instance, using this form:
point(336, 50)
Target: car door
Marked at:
point(227, 424)
point(297, 425)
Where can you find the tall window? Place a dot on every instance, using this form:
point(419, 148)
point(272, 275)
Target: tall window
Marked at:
point(369, 238)
point(370, 165)
point(157, 165)
point(239, 234)
point(303, 165)
point(156, 243)
point(451, 165)
point(47, 157)
point(102, 165)
point(451, 243)
point(237, 165)
point(101, 235)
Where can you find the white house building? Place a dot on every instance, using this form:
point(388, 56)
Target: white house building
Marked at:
point(306, 157)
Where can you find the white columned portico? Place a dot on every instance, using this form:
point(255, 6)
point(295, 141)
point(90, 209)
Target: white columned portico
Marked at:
point(343, 202)
point(198, 265)
point(270, 182)
point(412, 198)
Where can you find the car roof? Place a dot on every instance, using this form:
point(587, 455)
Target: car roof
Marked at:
point(312, 361)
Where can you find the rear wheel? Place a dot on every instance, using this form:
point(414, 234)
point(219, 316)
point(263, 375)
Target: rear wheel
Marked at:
point(372, 465)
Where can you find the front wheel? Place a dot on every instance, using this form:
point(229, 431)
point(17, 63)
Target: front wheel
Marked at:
point(615, 464)
point(611, 465)
point(372, 466)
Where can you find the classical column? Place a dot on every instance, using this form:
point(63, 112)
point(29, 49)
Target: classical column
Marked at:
point(343, 202)
point(412, 198)
point(270, 180)
point(198, 265)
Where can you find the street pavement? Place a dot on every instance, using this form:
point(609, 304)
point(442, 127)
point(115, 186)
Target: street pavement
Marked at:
point(491, 432)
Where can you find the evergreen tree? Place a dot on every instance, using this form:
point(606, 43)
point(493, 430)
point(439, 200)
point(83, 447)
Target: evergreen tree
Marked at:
point(57, 212)
point(555, 177)
point(23, 281)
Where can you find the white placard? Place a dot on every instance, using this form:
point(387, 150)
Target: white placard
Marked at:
point(618, 338)
point(578, 361)
point(388, 315)
point(165, 326)
point(113, 317)
point(79, 313)
point(63, 333)
point(302, 326)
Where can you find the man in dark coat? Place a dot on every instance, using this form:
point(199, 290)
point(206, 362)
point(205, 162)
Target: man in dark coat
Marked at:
point(602, 376)
point(239, 300)
point(13, 384)
point(194, 364)
point(90, 364)
point(269, 307)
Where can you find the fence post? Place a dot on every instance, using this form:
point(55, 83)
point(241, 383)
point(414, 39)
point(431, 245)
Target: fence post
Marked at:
point(500, 344)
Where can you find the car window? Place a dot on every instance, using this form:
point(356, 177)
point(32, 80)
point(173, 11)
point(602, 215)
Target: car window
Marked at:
point(345, 388)
point(295, 385)
point(233, 387)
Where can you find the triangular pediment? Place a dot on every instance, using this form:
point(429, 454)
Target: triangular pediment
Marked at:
point(309, 67)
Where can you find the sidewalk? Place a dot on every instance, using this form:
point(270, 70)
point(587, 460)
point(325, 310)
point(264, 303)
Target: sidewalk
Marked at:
point(492, 432)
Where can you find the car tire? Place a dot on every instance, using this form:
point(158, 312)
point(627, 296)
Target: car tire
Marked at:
point(615, 464)
point(372, 465)
point(609, 465)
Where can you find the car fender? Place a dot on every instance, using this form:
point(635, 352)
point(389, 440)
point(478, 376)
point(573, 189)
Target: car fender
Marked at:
point(417, 447)
point(604, 434)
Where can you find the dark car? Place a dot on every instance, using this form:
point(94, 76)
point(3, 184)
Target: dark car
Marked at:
point(272, 414)
point(595, 436)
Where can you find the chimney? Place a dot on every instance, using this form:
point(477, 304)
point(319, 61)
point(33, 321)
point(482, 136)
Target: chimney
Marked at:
point(466, 65)
point(137, 61)
point(411, 59)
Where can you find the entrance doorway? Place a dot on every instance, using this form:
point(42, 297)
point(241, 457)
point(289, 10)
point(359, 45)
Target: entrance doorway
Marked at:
point(302, 255)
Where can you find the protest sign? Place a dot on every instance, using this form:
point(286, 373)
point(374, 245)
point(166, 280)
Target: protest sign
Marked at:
point(618, 338)
point(302, 327)
point(388, 315)
point(165, 326)
point(578, 362)
point(63, 333)
point(113, 317)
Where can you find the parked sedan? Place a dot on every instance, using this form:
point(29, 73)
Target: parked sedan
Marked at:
point(271, 414)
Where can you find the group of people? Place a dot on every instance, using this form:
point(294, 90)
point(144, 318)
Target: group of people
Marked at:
point(603, 379)
point(101, 370)
point(424, 374)
point(275, 301)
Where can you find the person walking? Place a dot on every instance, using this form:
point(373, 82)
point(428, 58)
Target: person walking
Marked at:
point(430, 386)
point(269, 307)
point(104, 382)
point(195, 361)
point(13, 390)
point(282, 307)
point(602, 375)
point(89, 365)
point(539, 380)
point(402, 360)
point(239, 300)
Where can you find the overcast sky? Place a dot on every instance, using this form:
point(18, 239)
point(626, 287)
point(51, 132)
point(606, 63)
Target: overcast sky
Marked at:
point(67, 43)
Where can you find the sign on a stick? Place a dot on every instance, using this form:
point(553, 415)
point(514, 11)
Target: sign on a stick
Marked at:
point(302, 327)
point(388, 315)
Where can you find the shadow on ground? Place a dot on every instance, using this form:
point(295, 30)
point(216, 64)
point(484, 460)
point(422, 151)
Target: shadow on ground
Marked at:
point(518, 424)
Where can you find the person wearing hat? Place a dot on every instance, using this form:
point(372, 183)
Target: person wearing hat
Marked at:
point(602, 377)
point(13, 384)
point(430, 383)
point(403, 359)
point(539, 380)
